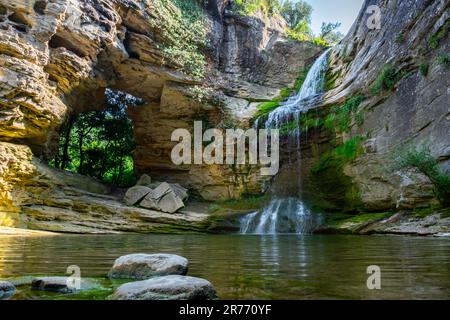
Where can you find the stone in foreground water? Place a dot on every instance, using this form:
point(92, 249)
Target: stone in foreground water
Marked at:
point(61, 284)
point(144, 266)
point(7, 290)
point(167, 288)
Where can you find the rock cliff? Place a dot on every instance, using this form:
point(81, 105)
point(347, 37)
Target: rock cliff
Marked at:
point(187, 63)
point(401, 72)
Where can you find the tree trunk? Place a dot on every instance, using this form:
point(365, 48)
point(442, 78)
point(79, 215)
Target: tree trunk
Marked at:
point(65, 156)
point(81, 153)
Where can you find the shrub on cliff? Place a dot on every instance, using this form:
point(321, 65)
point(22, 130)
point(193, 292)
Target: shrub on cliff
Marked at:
point(421, 159)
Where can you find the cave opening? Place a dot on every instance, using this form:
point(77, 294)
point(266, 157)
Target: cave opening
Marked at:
point(100, 143)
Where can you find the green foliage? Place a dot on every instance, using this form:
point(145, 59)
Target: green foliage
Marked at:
point(296, 13)
point(400, 38)
point(423, 212)
point(99, 143)
point(266, 107)
point(334, 187)
point(361, 218)
point(329, 34)
point(439, 35)
point(339, 156)
point(301, 78)
point(340, 117)
point(183, 27)
point(305, 123)
point(423, 68)
point(443, 60)
point(386, 80)
point(247, 203)
point(421, 159)
point(249, 7)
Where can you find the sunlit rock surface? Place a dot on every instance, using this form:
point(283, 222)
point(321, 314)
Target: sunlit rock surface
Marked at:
point(166, 288)
point(144, 266)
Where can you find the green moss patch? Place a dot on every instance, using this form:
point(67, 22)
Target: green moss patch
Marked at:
point(328, 175)
point(267, 107)
point(386, 80)
point(436, 38)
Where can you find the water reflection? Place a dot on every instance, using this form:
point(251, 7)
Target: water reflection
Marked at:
point(255, 267)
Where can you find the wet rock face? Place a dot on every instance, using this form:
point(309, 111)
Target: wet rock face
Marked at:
point(7, 290)
point(144, 266)
point(167, 288)
point(415, 111)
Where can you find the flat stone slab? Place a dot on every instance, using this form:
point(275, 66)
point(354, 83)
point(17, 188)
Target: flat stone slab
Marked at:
point(60, 284)
point(144, 266)
point(164, 198)
point(167, 288)
point(7, 290)
point(135, 194)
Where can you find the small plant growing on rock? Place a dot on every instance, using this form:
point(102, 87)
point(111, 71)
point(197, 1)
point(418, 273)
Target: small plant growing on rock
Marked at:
point(386, 80)
point(423, 68)
point(400, 38)
point(444, 61)
point(421, 159)
point(439, 35)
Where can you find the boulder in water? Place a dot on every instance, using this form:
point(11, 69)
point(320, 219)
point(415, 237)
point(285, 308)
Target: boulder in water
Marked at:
point(7, 290)
point(60, 284)
point(144, 266)
point(167, 288)
point(135, 194)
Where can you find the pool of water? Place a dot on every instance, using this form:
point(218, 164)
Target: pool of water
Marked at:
point(250, 267)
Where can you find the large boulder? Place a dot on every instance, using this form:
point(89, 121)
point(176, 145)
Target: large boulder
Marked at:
point(167, 288)
point(7, 290)
point(135, 194)
point(144, 266)
point(163, 198)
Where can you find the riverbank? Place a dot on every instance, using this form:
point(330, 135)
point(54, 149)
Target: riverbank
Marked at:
point(17, 232)
point(419, 223)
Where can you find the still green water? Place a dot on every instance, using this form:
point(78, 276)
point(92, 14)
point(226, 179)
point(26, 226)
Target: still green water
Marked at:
point(247, 267)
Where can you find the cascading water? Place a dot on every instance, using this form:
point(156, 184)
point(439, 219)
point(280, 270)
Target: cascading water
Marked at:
point(290, 215)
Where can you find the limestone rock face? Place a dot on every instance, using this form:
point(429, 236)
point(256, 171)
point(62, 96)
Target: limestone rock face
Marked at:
point(144, 266)
point(57, 57)
point(7, 290)
point(415, 111)
point(167, 288)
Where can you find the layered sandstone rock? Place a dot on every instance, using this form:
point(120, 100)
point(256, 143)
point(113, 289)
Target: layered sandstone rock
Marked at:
point(416, 111)
point(56, 59)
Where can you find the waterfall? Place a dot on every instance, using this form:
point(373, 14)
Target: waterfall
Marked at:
point(311, 89)
point(289, 214)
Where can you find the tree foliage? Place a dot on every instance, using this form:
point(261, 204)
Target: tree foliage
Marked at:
point(420, 158)
point(329, 32)
point(296, 12)
point(99, 143)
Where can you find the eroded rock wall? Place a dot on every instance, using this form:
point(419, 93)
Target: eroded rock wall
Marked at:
point(413, 36)
point(58, 56)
